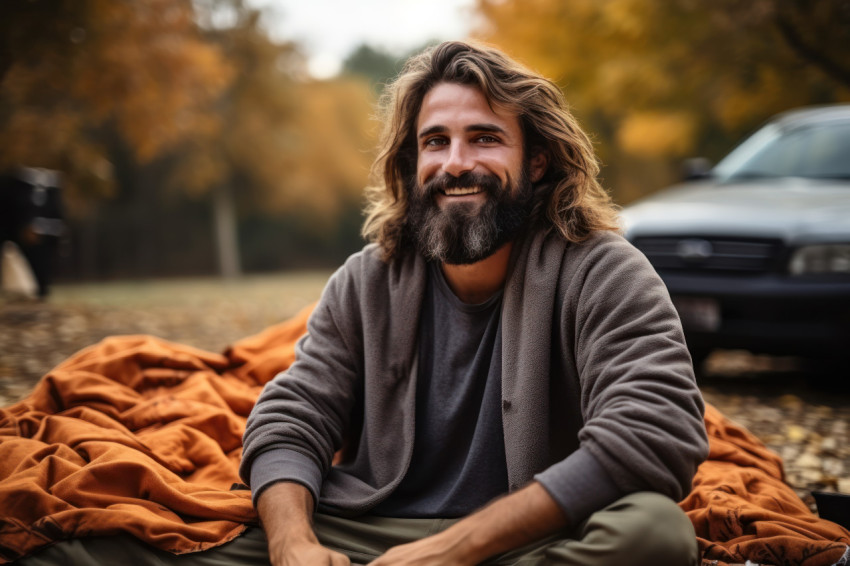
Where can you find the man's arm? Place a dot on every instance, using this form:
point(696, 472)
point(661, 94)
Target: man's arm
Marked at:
point(505, 524)
point(285, 509)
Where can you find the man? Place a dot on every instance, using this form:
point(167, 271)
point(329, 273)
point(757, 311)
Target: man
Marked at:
point(501, 377)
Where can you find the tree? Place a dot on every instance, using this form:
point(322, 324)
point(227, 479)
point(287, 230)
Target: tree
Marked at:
point(145, 104)
point(818, 32)
point(377, 65)
point(76, 74)
point(660, 81)
point(283, 142)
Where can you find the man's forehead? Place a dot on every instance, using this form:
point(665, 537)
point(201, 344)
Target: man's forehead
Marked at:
point(458, 102)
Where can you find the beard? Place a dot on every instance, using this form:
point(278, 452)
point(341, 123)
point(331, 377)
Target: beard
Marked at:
point(463, 233)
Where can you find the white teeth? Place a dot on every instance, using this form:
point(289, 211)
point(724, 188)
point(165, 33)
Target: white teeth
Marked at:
point(462, 191)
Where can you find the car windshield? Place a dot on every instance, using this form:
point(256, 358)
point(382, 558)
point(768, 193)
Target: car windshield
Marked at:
point(813, 150)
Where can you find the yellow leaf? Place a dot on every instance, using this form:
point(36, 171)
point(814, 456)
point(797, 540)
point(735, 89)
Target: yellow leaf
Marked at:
point(657, 134)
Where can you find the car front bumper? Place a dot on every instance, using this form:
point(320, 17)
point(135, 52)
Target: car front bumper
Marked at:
point(772, 314)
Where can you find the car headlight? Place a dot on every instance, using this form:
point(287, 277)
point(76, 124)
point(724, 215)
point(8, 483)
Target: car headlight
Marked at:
point(824, 258)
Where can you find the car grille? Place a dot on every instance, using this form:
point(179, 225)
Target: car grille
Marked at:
point(686, 253)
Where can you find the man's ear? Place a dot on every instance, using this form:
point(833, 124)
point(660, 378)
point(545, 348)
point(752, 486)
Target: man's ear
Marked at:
point(539, 163)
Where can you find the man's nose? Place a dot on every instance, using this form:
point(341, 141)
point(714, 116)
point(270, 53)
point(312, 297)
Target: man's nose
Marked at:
point(459, 160)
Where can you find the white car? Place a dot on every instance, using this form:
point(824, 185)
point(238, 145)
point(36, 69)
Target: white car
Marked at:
point(756, 251)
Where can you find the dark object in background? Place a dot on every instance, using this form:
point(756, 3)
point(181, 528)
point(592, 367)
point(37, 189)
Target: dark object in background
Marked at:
point(833, 507)
point(32, 216)
point(756, 251)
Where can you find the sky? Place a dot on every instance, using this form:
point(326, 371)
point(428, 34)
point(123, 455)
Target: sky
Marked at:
point(327, 31)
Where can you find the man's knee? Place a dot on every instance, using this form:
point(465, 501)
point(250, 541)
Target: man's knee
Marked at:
point(643, 528)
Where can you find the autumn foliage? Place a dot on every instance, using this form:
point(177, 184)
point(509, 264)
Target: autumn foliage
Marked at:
point(160, 83)
point(661, 81)
point(148, 108)
point(152, 108)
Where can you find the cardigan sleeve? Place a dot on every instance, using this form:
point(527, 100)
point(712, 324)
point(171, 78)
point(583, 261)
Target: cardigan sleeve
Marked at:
point(301, 416)
point(642, 412)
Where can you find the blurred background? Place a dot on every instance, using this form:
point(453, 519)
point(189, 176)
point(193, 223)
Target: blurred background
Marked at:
point(194, 169)
point(225, 136)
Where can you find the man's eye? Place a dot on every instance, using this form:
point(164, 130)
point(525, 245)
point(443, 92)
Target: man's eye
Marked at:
point(435, 141)
point(487, 138)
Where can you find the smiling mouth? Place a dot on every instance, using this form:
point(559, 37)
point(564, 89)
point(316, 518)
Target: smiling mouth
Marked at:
point(462, 191)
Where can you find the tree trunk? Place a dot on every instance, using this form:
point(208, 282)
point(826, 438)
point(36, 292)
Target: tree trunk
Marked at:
point(227, 239)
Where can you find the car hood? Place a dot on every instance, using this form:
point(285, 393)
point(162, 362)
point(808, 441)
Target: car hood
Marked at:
point(796, 210)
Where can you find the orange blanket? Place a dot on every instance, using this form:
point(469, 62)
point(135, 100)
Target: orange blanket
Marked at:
point(143, 436)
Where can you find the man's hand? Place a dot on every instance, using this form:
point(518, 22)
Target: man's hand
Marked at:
point(285, 509)
point(506, 524)
point(437, 550)
point(305, 554)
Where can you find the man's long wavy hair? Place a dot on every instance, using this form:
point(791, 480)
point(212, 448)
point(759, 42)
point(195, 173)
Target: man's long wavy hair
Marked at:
point(568, 198)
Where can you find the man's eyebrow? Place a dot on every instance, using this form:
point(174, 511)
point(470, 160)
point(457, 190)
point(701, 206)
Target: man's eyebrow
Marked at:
point(492, 128)
point(432, 130)
point(486, 127)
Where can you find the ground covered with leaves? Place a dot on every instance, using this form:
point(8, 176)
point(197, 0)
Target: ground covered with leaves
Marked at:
point(791, 410)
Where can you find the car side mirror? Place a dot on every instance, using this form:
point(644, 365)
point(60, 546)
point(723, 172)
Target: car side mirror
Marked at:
point(696, 168)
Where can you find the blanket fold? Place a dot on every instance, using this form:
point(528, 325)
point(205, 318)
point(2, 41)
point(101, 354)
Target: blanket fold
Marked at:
point(142, 436)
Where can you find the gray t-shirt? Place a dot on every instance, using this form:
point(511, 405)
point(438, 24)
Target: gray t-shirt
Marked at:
point(458, 462)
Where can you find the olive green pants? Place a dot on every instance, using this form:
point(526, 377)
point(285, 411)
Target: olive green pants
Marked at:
point(639, 529)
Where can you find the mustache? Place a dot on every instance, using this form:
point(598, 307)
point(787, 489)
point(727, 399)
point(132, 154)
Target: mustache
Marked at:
point(490, 184)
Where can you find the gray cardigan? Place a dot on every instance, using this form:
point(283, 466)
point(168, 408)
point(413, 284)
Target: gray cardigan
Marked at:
point(598, 393)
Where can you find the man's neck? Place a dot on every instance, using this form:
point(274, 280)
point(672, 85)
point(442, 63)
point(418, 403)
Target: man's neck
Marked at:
point(477, 282)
